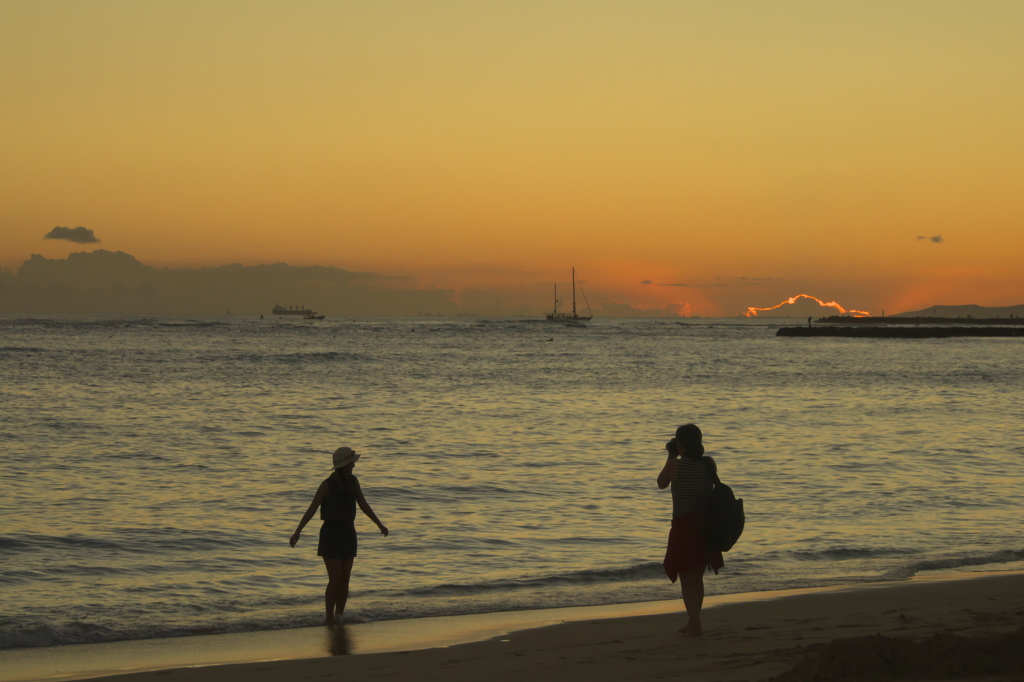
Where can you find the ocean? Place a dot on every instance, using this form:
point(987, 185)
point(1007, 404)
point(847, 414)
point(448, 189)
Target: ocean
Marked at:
point(153, 468)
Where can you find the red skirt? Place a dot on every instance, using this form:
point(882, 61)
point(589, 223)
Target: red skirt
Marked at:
point(686, 547)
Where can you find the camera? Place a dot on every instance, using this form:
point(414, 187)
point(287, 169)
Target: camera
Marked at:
point(672, 447)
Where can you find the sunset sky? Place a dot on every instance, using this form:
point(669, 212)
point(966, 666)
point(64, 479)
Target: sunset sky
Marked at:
point(704, 155)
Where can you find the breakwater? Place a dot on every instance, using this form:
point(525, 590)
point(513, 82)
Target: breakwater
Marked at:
point(916, 320)
point(879, 332)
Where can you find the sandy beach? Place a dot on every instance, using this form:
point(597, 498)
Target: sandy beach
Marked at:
point(950, 627)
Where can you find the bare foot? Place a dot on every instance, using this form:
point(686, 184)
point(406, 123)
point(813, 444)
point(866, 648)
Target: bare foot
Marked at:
point(329, 622)
point(691, 630)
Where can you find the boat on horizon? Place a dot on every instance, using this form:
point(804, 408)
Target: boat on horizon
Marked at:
point(555, 316)
point(279, 309)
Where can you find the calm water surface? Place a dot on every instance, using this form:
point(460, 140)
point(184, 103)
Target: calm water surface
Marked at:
point(153, 469)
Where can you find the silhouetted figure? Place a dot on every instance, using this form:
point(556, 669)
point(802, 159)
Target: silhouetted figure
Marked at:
point(809, 320)
point(687, 555)
point(336, 498)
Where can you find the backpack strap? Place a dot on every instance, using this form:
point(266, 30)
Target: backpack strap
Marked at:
point(712, 470)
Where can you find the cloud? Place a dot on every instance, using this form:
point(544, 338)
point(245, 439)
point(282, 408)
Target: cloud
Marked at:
point(617, 309)
point(719, 282)
point(679, 310)
point(936, 239)
point(78, 235)
point(749, 281)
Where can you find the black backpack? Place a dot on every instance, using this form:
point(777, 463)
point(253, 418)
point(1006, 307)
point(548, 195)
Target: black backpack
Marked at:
point(725, 515)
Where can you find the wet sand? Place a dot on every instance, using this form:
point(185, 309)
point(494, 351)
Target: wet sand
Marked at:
point(947, 627)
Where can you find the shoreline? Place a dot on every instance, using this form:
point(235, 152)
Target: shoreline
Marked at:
point(563, 638)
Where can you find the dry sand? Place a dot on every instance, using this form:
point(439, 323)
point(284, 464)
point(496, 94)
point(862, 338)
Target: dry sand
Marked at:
point(936, 629)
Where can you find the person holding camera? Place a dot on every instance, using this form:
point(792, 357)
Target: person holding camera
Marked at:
point(689, 473)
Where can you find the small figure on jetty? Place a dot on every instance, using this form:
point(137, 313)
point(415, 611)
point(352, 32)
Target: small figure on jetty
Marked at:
point(336, 498)
point(687, 556)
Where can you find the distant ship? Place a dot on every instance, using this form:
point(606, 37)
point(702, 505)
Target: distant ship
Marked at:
point(555, 316)
point(291, 310)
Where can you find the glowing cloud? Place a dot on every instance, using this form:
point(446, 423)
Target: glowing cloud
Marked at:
point(752, 312)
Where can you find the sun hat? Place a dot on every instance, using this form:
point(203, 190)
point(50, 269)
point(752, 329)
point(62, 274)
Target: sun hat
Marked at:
point(344, 456)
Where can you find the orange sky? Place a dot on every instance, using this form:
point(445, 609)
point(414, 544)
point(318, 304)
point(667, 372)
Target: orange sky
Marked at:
point(747, 150)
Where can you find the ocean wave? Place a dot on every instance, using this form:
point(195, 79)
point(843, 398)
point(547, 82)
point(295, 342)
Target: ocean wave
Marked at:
point(845, 553)
point(41, 634)
point(23, 577)
point(311, 357)
point(576, 588)
point(130, 322)
point(48, 542)
point(195, 323)
point(1004, 556)
point(141, 541)
point(607, 575)
point(20, 321)
point(10, 543)
point(97, 323)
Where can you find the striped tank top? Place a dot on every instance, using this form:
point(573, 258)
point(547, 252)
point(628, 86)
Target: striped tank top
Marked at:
point(691, 490)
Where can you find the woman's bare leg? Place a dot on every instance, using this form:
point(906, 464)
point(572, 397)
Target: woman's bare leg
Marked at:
point(342, 599)
point(339, 572)
point(691, 583)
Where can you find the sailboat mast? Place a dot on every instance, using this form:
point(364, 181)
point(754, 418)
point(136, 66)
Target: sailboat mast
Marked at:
point(574, 293)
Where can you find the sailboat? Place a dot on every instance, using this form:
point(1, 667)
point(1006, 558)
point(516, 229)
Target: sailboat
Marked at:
point(555, 316)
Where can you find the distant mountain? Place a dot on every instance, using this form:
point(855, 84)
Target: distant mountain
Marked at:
point(103, 281)
point(976, 311)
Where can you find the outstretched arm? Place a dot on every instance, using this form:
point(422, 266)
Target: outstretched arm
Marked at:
point(321, 492)
point(365, 506)
point(668, 473)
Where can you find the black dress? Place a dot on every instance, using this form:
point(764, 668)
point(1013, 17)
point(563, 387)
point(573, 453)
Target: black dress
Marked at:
point(338, 512)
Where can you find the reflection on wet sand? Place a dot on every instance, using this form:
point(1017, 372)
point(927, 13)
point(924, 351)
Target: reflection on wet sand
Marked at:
point(338, 640)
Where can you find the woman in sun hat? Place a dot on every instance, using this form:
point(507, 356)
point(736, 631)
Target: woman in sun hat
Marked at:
point(689, 473)
point(337, 498)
